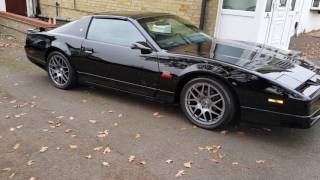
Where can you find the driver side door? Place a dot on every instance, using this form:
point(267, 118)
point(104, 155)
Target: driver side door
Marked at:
point(108, 58)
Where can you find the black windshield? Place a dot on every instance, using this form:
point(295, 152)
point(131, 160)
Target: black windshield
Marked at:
point(171, 31)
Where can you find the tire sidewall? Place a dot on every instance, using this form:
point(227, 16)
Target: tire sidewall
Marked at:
point(71, 79)
point(230, 104)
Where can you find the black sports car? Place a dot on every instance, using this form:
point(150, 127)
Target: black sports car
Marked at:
point(166, 58)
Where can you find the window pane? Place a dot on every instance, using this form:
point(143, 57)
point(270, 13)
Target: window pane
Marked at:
point(114, 32)
point(243, 5)
point(293, 4)
point(316, 3)
point(283, 3)
point(269, 6)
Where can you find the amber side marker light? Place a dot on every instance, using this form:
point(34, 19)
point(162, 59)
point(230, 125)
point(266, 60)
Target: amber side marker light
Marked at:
point(275, 101)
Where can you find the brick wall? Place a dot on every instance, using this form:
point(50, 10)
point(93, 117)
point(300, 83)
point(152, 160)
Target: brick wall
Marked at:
point(188, 9)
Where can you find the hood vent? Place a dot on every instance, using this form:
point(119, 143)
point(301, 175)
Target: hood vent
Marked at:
point(283, 64)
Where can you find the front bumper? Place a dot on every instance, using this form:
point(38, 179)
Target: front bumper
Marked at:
point(274, 118)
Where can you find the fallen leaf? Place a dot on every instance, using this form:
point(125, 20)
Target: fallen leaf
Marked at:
point(107, 150)
point(68, 131)
point(180, 173)
point(221, 156)
point(12, 175)
point(15, 147)
point(19, 127)
point(92, 121)
point(31, 162)
point(260, 161)
point(51, 122)
point(73, 146)
point(138, 136)
point(156, 114)
point(98, 148)
point(110, 111)
point(131, 158)
point(142, 163)
point(106, 164)
point(43, 149)
point(32, 178)
point(169, 161)
point(188, 164)
point(89, 156)
point(6, 169)
point(73, 135)
point(235, 163)
point(224, 132)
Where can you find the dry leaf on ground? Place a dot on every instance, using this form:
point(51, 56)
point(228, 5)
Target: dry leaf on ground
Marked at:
point(98, 148)
point(260, 161)
point(6, 169)
point(180, 173)
point(15, 147)
point(138, 136)
point(188, 164)
point(131, 158)
point(43, 149)
point(169, 161)
point(89, 156)
point(235, 163)
point(73, 146)
point(31, 162)
point(93, 121)
point(105, 164)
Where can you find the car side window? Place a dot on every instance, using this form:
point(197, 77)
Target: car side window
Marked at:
point(114, 31)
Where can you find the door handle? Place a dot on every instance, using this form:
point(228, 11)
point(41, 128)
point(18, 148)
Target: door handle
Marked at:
point(88, 50)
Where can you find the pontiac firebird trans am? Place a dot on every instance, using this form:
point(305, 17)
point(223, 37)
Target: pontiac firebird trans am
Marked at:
point(166, 58)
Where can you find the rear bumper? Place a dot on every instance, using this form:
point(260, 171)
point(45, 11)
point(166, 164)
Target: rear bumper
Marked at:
point(274, 118)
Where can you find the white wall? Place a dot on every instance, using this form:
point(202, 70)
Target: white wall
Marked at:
point(310, 20)
point(2, 5)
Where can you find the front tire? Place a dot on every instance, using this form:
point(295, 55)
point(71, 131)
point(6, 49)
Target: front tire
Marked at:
point(61, 74)
point(208, 103)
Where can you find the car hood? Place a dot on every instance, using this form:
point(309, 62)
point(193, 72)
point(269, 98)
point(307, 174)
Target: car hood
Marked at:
point(271, 63)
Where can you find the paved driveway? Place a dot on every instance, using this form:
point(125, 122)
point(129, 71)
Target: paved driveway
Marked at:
point(90, 133)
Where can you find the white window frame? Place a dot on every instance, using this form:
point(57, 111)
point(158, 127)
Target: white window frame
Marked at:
point(315, 8)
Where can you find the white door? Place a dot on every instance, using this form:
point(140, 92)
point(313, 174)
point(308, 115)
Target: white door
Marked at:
point(278, 22)
point(283, 19)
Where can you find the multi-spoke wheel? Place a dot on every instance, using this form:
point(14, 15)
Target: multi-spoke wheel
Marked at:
point(61, 73)
point(207, 103)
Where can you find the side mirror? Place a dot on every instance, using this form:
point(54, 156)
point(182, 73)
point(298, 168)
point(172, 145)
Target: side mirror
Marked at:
point(144, 48)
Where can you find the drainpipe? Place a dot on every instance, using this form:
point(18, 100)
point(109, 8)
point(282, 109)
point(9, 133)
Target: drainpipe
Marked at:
point(57, 8)
point(38, 9)
point(203, 14)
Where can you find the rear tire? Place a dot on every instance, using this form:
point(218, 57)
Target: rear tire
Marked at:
point(60, 72)
point(208, 103)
